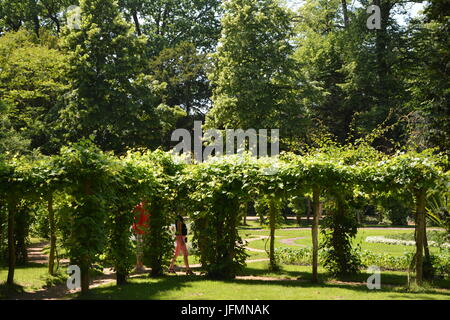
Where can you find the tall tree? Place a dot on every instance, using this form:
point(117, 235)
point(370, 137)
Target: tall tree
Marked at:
point(429, 77)
point(32, 80)
point(168, 23)
point(111, 98)
point(360, 72)
point(184, 70)
point(255, 84)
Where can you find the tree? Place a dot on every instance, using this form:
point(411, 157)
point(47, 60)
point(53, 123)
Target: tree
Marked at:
point(255, 85)
point(32, 81)
point(359, 73)
point(183, 70)
point(12, 14)
point(167, 23)
point(110, 96)
point(429, 77)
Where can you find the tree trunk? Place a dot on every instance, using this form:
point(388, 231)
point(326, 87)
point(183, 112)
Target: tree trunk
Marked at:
point(308, 209)
point(12, 208)
point(428, 271)
point(136, 23)
point(57, 23)
point(84, 268)
point(272, 217)
point(1, 222)
point(121, 278)
point(315, 233)
point(34, 13)
point(345, 13)
point(51, 220)
point(420, 235)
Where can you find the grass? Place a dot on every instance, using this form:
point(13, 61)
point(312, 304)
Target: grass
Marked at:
point(433, 235)
point(307, 241)
point(28, 278)
point(293, 284)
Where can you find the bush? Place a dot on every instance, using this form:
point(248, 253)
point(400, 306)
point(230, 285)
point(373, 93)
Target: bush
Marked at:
point(396, 209)
point(338, 229)
point(303, 256)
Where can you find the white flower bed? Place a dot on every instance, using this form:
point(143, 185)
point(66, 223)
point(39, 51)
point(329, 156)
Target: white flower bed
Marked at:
point(381, 239)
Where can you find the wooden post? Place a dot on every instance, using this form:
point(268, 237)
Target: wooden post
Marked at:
point(12, 208)
point(84, 277)
point(315, 232)
point(272, 217)
point(51, 221)
point(85, 260)
point(420, 234)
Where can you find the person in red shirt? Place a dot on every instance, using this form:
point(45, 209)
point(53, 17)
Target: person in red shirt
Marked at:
point(140, 227)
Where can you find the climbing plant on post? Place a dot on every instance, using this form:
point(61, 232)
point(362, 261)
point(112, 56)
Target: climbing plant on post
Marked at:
point(15, 187)
point(45, 178)
point(276, 179)
point(216, 189)
point(417, 172)
point(86, 169)
point(420, 197)
point(128, 182)
point(161, 202)
point(315, 232)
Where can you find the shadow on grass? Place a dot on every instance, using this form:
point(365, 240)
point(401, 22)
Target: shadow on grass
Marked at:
point(154, 290)
point(143, 287)
point(24, 266)
point(7, 291)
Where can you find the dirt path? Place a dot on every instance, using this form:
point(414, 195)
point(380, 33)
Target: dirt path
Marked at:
point(60, 291)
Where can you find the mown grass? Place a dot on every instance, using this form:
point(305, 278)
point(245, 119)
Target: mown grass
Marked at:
point(306, 240)
point(28, 278)
point(293, 284)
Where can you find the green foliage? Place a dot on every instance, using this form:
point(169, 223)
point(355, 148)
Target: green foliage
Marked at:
point(428, 82)
point(339, 229)
point(31, 83)
point(183, 70)
point(432, 235)
point(253, 74)
point(123, 111)
point(169, 22)
point(396, 207)
point(215, 190)
point(88, 170)
point(159, 240)
point(386, 261)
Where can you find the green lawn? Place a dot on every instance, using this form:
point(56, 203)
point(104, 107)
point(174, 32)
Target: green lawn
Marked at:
point(293, 280)
point(293, 284)
point(31, 276)
point(307, 241)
